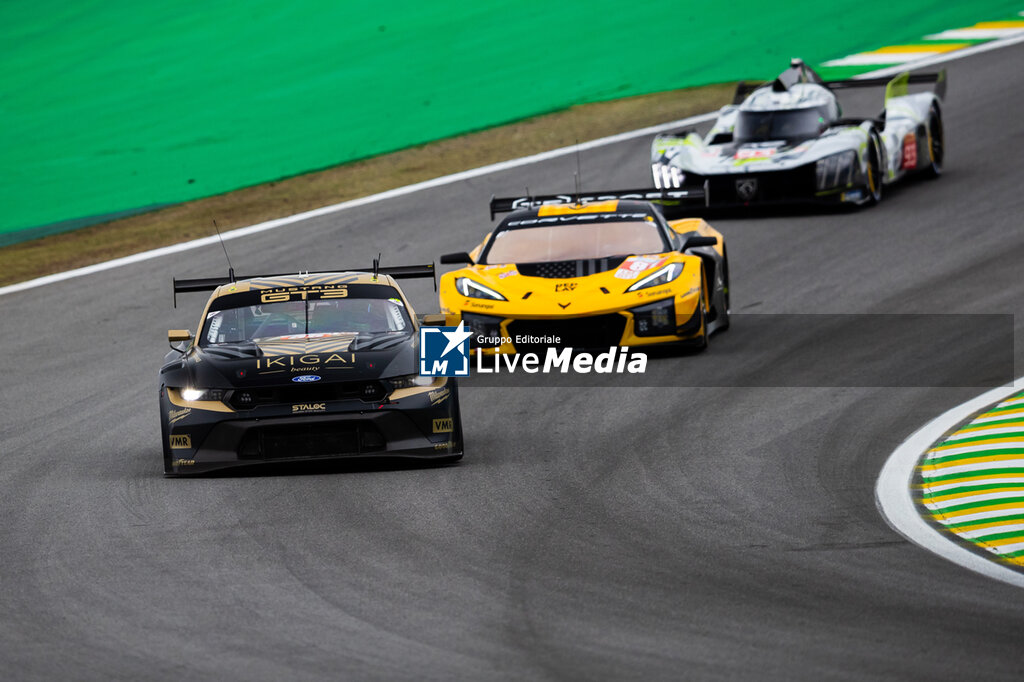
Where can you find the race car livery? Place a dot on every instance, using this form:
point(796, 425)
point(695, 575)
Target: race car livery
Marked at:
point(785, 142)
point(590, 272)
point(303, 367)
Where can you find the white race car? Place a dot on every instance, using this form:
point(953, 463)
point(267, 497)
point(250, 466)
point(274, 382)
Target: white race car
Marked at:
point(785, 141)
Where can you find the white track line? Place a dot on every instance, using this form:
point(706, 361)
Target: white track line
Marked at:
point(449, 179)
point(894, 498)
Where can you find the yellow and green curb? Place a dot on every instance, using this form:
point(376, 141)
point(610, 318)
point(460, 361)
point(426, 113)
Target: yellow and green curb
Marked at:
point(971, 483)
point(927, 47)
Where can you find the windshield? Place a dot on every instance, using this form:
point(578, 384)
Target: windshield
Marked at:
point(760, 126)
point(578, 241)
point(251, 319)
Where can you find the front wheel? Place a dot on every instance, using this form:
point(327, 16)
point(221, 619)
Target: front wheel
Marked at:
point(874, 172)
point(725, 291)
point(700, 342)
point(164, 434)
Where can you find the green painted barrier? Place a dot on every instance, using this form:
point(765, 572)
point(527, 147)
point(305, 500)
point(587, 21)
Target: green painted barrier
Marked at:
point(109, 107)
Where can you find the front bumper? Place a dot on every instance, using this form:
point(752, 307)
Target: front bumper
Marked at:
point(672, 320)
point(781, 187)
point(422, 426)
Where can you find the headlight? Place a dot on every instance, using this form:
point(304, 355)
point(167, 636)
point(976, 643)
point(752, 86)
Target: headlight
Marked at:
point(836, 170)
point(410, 380)
point(468, 287)
point(192, 394)
point(662, 276)
point(486, 330)
point(655, 319)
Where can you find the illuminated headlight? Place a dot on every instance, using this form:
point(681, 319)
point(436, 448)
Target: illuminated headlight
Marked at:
point(468, 287)
point(410, 381)
point(192, 394)
point(662, 276)
point(837, 170)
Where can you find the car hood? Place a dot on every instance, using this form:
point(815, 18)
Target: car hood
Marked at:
point(285, 360)
point(752, 157)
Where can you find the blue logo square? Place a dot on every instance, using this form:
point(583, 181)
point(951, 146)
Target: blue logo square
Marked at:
point(444, 351)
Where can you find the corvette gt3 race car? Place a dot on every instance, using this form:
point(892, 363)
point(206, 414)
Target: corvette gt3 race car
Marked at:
point(303, 367)
point(590, 272)
point(785, 142)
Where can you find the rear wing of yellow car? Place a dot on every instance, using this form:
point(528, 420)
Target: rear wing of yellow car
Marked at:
point(184, 286)
point(507, 204)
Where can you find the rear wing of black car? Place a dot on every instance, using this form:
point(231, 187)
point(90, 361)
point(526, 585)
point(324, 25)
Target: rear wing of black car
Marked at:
point(507, 204)
point(184, 286)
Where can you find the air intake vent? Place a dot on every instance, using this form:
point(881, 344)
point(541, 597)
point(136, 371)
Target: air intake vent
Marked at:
point(567, 269)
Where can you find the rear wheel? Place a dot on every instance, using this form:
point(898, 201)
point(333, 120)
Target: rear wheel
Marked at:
point(936, 140)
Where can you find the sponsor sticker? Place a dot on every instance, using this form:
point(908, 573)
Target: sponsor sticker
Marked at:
point(174, 416)
point(755, 153)
point(181, 441)
point(634, 265)
point(443, 425)
point(298, 408)
point(910, 151)
point(305, 378)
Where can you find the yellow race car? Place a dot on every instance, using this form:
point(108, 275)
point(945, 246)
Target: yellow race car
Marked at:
point(589, 272)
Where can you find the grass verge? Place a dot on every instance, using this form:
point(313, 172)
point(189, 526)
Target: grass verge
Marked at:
point(182, 222)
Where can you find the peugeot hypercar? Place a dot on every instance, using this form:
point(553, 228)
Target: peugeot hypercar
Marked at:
point(303, 367)
point(786, 141)
point(590, 272)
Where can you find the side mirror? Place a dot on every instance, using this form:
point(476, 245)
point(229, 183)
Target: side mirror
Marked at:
point(433, 321)
point(177, 336)
point(456, 258)
point(697, 241)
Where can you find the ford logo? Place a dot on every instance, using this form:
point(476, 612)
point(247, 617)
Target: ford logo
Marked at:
point(306, 378)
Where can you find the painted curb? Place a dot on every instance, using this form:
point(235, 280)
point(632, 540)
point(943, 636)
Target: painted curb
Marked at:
point(894, 497)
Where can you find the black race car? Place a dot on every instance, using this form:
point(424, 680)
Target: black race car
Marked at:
point(303, 367)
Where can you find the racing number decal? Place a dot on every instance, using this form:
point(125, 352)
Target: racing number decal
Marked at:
point(303, 294)
point(910, 151)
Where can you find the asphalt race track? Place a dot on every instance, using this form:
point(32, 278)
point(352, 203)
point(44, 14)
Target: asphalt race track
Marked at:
point(601, 533)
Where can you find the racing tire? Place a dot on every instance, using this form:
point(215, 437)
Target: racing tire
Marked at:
point(873, 186)
point(936, 141)
point(700, 343)
point(725, 291)
point(164, 439)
